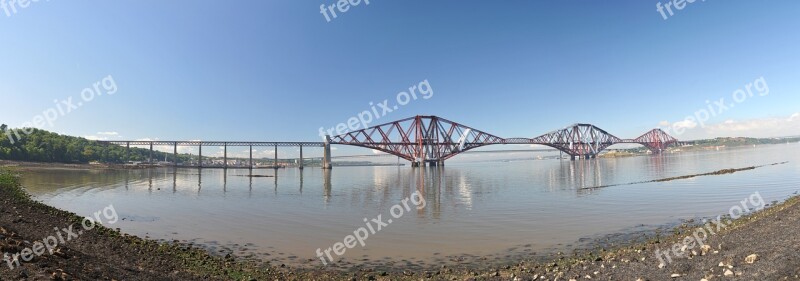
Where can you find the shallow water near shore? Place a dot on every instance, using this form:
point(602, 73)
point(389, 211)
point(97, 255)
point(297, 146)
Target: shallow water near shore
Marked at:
point(475, 208)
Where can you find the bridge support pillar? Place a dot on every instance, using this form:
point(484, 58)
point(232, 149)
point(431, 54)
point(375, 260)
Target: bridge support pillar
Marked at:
point(175, 154)
point(434, 163)
point(128, 152)
point(200, 156)
point(300, 161)
point(276, 157)
point(251, 157)
point(225, 156)
point(326, 153)
point(150, 157)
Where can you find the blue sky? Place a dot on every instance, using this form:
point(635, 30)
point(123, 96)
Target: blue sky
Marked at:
point(277, 70)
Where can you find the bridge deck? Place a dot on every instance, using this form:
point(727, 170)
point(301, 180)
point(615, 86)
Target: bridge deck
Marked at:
point(216, 143)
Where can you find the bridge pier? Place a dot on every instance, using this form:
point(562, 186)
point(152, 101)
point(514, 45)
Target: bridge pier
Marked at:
point(300, 162)
point(276, 157)
point(326, 154)
point(225, 156)
point(251, 157)
point(128, 152)
point(150, 158)
point(429, 163)
point(200, 156)
point(434, 163)
point(175, 154)
point(582, 156)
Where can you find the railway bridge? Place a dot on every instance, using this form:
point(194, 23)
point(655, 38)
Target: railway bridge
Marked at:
point(430, 140)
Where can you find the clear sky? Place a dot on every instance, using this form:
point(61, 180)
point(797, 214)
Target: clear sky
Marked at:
point(278, 70)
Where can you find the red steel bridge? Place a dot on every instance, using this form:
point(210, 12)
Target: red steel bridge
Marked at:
point(432, 139)
point(426, 139)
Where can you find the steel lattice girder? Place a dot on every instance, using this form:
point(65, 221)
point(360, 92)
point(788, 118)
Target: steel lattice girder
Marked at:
point(419, 138)
point(656, 140)
point(578, 139)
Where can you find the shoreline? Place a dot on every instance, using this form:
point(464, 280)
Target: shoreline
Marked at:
point(52, 165)
point(82, 166)
point(115, 255)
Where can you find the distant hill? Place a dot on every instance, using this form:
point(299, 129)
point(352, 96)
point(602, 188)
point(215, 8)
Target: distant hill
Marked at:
point(738, 141)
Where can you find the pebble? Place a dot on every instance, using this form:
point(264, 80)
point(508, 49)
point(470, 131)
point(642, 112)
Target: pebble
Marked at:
point(728, 273)
point(705, 249)
point(751, 258)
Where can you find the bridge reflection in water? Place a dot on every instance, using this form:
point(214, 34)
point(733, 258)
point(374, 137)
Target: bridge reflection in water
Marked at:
point(582, 177)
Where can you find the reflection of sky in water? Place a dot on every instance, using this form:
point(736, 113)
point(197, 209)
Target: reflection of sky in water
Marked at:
point(473, 207)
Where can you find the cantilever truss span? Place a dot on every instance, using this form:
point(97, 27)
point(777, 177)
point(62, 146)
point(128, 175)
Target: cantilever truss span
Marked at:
point(434, 139)
point(419, 139)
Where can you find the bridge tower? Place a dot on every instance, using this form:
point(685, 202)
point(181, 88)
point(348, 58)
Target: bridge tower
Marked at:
point(582, 141)
point(326, 154)
point(422, 140)
point(656, 140)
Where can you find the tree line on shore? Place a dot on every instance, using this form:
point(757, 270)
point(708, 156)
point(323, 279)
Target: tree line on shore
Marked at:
point(31, 144)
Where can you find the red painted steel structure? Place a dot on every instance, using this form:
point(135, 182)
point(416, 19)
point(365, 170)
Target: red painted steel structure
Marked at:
point(656, 140)
point(584, 140)
point(419, 139)
point(431, 139)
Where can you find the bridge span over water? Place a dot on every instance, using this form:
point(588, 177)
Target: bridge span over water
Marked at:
point(427, 139)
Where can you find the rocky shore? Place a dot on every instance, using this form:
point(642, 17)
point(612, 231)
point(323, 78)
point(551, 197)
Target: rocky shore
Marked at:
point(763, 246)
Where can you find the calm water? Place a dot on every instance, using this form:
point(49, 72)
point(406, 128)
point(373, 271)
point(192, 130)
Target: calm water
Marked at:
point(474, 208)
